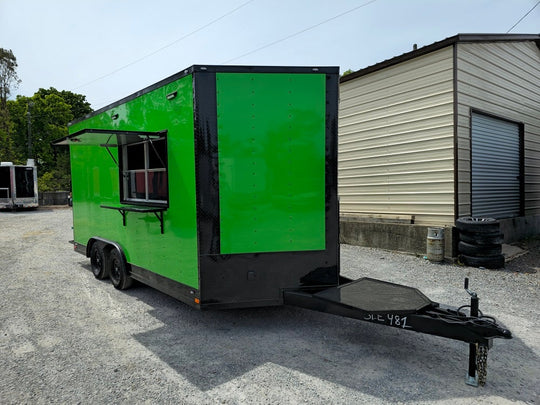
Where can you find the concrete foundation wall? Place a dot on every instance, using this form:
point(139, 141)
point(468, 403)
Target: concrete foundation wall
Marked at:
point(412, 238)
point(518, 228)
point(402, 237)
point(53, 198)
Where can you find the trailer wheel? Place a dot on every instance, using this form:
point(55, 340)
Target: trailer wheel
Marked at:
point(118, 271)
point(98, 261)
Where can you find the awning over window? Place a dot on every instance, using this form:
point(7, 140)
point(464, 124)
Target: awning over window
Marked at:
point(107, 138)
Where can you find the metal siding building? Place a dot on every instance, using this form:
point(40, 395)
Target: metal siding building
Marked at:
point(406, 131)
point(396, 141)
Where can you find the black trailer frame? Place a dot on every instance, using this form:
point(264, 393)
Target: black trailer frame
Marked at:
point(407, 308)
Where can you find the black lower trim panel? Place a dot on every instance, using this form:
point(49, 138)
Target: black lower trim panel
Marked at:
point(181, 292)
point(79, 248)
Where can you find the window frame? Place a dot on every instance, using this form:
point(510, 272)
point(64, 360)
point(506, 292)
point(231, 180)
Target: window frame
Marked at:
point(125, 177)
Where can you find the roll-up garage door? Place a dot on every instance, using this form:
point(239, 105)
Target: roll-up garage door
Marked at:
point(495, 167)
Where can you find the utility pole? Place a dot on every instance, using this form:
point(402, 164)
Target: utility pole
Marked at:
point(29, 122)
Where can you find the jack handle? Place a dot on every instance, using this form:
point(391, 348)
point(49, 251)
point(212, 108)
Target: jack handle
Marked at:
point(471, 293)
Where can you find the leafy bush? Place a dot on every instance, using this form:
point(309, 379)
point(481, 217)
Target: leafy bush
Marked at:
point(54, 181)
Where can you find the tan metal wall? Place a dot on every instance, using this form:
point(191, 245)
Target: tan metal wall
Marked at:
point(503, 79)
point(396, 142)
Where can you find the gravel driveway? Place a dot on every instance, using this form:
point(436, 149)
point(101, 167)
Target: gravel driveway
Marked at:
point(66, 337)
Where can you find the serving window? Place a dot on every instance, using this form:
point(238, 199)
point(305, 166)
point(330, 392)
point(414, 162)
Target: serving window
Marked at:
point(143, 168)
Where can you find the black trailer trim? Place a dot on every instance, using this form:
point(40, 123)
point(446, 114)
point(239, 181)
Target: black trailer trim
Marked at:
point(206, 163)
point(79, 248)
point(122, 137)
point(175, 289)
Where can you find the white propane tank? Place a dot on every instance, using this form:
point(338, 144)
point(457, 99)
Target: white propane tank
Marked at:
point(435, 244)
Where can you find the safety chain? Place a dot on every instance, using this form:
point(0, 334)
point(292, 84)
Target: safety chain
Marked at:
point(481, 363)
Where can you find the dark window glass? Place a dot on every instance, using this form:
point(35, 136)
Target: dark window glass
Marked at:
point(24, 182)
point(5, 183)
point(136, 185)
point(135, 156)
point(4, 176)
point(157, 185)
point(158, 160)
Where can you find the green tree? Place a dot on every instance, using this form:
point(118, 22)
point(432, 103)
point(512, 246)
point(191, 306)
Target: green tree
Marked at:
point(17, 110)
point(78, 105)
point(50, 111)
point(8, 75)
point(347, 72)
point(8, 82)
point(6, 142)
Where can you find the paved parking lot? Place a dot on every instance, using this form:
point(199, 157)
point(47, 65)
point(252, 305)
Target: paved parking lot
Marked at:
point(66, 337)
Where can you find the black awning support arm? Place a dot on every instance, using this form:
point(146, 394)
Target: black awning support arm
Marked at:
point(155, 150)
point(106, 146)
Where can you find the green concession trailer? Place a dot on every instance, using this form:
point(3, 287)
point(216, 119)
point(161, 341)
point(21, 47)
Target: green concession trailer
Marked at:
point(218, 186)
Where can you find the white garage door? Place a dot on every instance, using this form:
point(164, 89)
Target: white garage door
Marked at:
point(495, 155)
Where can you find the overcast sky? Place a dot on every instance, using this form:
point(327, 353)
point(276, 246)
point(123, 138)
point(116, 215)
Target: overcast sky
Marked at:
point(84, 45)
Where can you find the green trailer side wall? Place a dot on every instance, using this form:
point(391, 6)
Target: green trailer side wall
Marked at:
point(95, 179)
point(271, 140)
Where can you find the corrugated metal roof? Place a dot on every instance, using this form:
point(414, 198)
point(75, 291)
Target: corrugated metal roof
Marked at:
point(461, 38)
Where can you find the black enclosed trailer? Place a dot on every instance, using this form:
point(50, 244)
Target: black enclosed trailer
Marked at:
point(218, 186)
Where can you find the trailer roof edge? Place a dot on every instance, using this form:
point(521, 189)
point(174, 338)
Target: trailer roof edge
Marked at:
point(214, 69)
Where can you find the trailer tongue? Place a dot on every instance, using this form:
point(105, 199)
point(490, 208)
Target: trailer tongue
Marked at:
point(405, 307)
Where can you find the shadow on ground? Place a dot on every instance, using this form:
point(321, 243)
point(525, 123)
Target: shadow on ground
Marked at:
point(211, 348)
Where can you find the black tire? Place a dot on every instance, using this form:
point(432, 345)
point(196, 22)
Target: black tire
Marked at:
point(479, 250)
point(482, 239)
point(98, 261)
point(118, 271)
point(490, 262)
point(480, 225)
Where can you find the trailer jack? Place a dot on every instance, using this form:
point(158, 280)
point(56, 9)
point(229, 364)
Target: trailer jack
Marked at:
point(477, 352)
point(405, 307)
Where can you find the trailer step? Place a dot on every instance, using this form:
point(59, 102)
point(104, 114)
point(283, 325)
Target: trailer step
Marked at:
point(377, 297)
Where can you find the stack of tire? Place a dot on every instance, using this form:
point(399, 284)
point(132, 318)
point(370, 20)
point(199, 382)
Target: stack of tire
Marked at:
point(480, 242)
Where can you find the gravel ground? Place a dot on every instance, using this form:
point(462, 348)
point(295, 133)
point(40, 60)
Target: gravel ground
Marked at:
point(66, 337)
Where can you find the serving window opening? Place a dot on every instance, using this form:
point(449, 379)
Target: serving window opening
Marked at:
point(143, 167)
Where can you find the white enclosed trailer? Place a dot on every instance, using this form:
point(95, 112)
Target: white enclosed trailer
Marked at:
point(18, 185)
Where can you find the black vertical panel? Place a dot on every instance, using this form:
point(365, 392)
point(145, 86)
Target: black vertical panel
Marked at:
point(332, 202)
point(206, 162)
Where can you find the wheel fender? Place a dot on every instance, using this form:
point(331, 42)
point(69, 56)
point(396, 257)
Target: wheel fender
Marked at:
point(112, 244)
